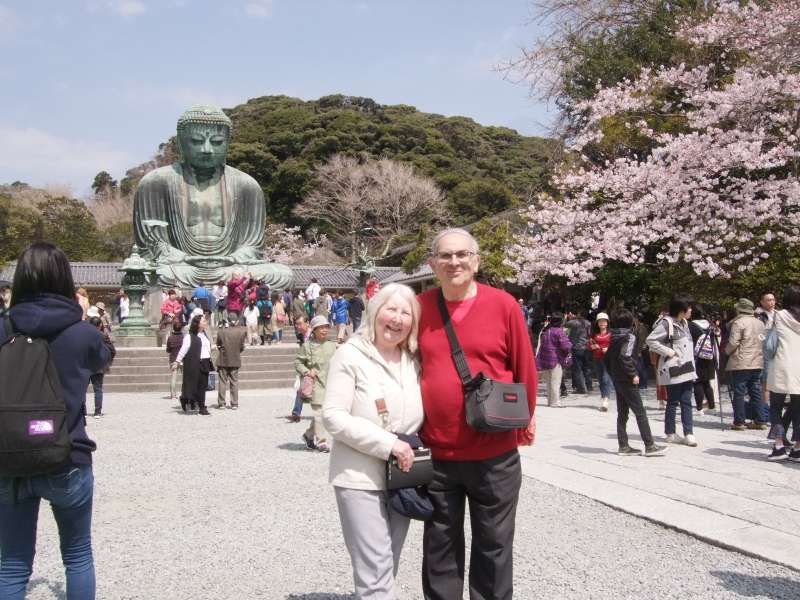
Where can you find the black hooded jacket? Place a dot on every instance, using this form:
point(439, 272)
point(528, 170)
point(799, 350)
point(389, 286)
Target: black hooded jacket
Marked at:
point(77, 349)
point(619, 359)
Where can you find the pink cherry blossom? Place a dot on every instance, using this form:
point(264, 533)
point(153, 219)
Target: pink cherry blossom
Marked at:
point(710, 195)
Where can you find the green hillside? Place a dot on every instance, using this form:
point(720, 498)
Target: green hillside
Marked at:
point(483, 170)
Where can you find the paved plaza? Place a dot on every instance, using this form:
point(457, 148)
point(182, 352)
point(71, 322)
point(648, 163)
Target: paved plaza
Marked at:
point(233, 507)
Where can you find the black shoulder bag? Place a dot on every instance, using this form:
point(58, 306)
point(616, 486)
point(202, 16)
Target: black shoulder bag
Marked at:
point(491, 406)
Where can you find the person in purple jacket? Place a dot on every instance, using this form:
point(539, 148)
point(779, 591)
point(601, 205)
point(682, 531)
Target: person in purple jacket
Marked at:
point(553, 355)
point(43, 305)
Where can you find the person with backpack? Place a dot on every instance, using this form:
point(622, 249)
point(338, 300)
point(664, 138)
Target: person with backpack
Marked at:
point(53, 369)
point(672, 342)
point(97, 378)
point(620, 362)
point(264, 320)
point(706, 358)
point(553, 356)
point(783, 377)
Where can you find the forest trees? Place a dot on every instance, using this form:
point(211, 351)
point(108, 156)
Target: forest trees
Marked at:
point(371, 205)
point(694, 161)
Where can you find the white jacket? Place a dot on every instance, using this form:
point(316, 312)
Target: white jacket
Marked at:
point(358, 376)
point(784, 371)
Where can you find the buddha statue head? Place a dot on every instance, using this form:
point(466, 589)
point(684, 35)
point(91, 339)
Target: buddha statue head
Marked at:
point(204, 133)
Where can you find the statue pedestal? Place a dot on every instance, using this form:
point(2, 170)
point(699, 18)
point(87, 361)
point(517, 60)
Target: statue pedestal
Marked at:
point(137, 341)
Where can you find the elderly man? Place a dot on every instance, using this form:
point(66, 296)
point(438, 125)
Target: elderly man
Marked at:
point(230, 342)
point(745, 362)
point(482, 469)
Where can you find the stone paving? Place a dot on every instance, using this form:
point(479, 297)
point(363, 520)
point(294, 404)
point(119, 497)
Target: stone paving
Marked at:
point(233, 507)
point(724, 490)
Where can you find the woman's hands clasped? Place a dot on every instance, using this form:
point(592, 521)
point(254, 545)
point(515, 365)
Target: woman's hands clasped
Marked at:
point(404, 454)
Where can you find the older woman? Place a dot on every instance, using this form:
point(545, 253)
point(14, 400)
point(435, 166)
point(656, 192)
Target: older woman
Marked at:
point(373, 394)
point(312, 360)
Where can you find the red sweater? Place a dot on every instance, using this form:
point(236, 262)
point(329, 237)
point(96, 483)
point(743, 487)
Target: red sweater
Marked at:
point(495, 340)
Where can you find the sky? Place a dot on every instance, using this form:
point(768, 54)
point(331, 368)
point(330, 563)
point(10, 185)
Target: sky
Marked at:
point(91, 85)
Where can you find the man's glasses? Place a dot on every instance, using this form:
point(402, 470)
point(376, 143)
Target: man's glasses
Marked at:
point(461, 256)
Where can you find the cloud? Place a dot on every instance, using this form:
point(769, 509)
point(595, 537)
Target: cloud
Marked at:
point(128, 8)
point(40, 158)
point(9, 21)
point(124, 8)
point(258, 9)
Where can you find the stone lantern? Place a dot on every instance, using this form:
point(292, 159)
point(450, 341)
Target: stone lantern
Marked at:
point(136, 281)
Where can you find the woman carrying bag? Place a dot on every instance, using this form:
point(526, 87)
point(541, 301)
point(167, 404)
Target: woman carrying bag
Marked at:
point(372, 400)
point(311, 364)
point(195, 357)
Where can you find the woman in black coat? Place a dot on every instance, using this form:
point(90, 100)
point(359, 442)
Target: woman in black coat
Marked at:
point(195, 356)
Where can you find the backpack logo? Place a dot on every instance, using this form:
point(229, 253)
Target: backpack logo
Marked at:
point(41, 427)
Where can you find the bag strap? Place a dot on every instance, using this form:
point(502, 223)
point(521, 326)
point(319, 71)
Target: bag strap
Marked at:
point(462, 367)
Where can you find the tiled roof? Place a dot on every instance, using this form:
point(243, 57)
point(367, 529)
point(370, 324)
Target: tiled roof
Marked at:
point(423, 273)
point(88, 274)
point(107, 275)
point(336, 277)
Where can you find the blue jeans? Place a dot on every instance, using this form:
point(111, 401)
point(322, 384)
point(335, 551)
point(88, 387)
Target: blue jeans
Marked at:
point(683, 394)
point(603, 379)
point(298, 405)
point(97, 388)
point(70, 494)
point(748, 381)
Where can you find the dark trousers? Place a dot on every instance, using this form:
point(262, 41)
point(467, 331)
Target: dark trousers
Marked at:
point(97, 388)
point(491, 487)
point(780, 423)
point(581, 371)
point(703, 391)
point(642, 365)
point(629, 398)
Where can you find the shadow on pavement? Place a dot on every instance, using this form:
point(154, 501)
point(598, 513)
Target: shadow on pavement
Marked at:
point(318, 596)
point(750, 586)
point(589, 450)
point(760, 456)
point(57, 589)
point(294, 447)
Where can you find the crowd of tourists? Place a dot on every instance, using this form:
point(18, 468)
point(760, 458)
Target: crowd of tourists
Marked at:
point(692, 353)
point(422, 403)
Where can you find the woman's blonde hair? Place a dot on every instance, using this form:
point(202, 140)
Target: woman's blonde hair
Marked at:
point(367, 329)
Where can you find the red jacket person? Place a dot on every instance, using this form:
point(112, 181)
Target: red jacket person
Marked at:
point(480, 468)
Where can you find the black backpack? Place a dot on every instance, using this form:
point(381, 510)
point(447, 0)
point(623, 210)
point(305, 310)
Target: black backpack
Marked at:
point(34, 436)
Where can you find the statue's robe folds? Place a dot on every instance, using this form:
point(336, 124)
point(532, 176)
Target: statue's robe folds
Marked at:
point(160, 231)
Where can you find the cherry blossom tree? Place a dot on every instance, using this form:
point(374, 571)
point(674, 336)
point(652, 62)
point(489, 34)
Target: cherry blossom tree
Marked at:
point(700, 159)
point(286, 245)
